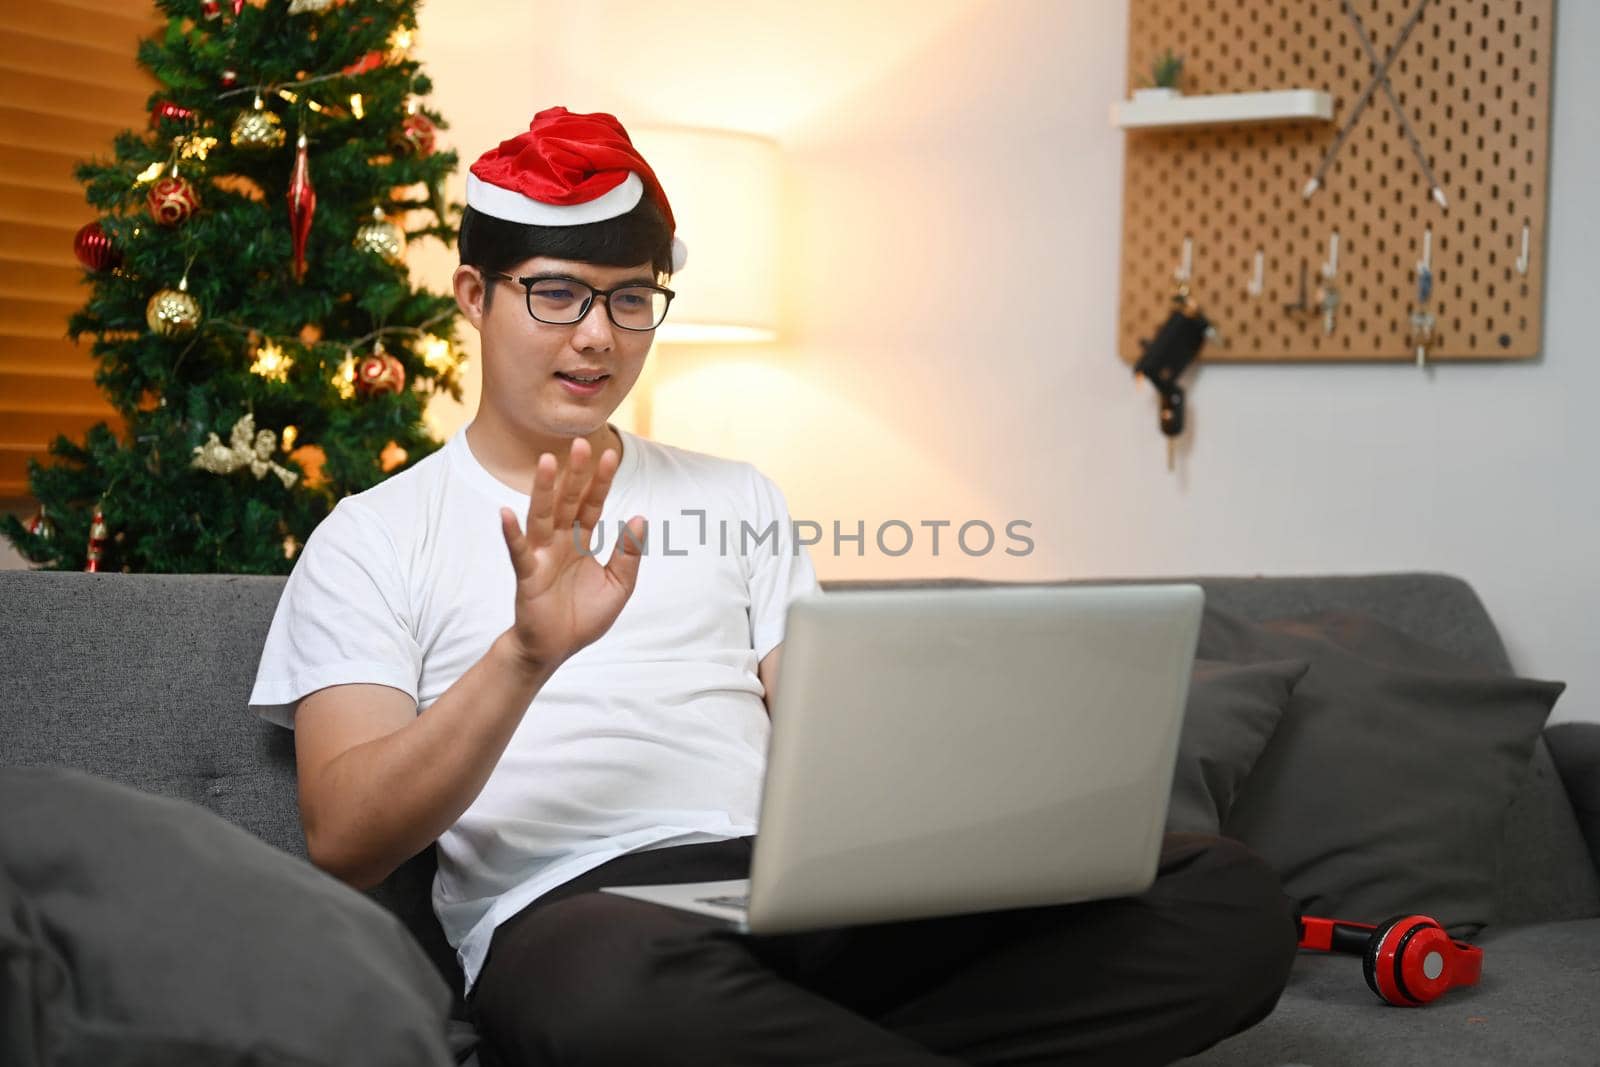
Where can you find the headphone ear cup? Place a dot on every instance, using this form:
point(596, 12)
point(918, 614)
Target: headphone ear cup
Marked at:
point(1387, 939)
point(1369, 958)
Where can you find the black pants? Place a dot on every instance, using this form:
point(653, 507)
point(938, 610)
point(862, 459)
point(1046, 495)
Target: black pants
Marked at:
point(583, 977)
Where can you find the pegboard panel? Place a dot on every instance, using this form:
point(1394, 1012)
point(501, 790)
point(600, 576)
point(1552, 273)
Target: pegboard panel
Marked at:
point(1474, 80)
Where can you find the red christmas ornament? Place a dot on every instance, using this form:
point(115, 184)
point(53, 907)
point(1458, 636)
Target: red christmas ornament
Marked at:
point(97, 540)
point(238, 6)
point(94, 249)
point(370, 61)
point(416, 135)
point(41, 525)
point(211, 8)
point(166, 110)
point(172, 200)
point(380, 373)
point(302, 206)
point(229, 79)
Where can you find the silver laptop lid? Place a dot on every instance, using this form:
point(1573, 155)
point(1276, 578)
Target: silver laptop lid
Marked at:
point(940, 751)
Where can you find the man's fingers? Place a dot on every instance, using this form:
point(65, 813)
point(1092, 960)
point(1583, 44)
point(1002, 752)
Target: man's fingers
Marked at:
point(516, 545)
point(594, 499)
point(574, 480)
point(542, 502)
point(624, 562)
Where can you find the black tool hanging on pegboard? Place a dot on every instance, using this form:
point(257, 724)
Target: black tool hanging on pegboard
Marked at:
point(1175, 346)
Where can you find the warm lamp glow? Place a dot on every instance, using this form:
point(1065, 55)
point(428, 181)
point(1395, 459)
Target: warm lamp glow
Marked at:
point(724, 190)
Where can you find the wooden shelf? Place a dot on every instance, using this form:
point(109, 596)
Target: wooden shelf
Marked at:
point(1283, 105)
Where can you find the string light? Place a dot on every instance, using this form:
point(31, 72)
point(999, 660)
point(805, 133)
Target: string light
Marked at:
point(290, 435)
point(355, 106)
point(436, 353)
point(344, 379)
point(271, 363)
point(195, 147)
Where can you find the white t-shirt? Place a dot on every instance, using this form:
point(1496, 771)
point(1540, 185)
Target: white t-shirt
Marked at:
point(655, 734)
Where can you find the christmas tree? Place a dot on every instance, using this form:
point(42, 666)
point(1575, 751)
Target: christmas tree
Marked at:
point(253, 321)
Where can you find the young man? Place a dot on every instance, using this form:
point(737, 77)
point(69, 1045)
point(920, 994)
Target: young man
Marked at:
point(459, 669)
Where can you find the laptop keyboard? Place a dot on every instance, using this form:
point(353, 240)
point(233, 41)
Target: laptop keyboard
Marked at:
point(742, 903)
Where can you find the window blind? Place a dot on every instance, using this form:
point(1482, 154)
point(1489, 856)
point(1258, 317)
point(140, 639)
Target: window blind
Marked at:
point(68, 85)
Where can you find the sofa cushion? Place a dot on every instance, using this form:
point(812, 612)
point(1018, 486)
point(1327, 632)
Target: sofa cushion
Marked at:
point(1231, 712)
point(1386, 785)
point(137, 929)
point(1535, 1004)
point(1575, 747)
point(1545, 873)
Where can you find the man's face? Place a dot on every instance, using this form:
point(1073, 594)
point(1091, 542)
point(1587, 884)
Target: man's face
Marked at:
point(530, 366)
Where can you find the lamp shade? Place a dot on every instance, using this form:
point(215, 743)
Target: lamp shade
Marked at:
point(724, 189)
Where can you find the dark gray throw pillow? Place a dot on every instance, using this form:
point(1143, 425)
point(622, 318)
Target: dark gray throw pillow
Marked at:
point(1385, 787)
point(1231, 713)
point(142, 930)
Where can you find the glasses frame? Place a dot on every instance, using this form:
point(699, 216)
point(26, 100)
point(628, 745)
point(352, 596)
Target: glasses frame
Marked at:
point(588, 305)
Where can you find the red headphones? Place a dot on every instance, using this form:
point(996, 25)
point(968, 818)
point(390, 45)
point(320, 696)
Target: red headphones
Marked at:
point(1408, 960)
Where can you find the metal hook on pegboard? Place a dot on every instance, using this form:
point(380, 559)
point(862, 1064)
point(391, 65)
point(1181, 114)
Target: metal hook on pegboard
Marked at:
point(1328, 288)
point(1421, 318)
point(1185, 269)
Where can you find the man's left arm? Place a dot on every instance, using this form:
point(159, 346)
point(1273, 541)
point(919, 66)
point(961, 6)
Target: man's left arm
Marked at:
point(767, 671)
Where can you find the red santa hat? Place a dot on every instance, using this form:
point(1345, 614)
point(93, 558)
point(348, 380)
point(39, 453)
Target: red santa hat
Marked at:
point(567, 170)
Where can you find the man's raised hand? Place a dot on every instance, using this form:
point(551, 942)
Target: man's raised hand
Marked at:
point(564, 598)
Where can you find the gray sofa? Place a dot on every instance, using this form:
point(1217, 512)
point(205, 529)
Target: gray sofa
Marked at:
point(143, 679)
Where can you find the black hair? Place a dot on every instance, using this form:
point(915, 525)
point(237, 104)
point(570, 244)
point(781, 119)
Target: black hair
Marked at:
point(640, 236)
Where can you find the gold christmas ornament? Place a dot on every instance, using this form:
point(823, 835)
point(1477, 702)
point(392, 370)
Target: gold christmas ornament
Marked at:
point(173, 312)
point(257, 130)
point(246, 447)
point(381, 238)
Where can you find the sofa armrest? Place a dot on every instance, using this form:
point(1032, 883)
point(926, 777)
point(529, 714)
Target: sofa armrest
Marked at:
point(1575, 747)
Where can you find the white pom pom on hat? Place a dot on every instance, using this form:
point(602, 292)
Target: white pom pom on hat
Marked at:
point(567, 170)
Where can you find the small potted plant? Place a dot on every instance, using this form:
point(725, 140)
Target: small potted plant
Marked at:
point(1165, 73)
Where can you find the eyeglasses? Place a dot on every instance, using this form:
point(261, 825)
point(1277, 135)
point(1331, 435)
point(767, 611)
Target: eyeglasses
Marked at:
point(561, 301)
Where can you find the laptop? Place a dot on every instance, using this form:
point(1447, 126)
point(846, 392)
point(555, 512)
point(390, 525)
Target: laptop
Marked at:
point(945, 751)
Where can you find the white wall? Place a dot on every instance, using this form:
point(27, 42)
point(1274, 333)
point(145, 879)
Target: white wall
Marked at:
point(927, 144)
